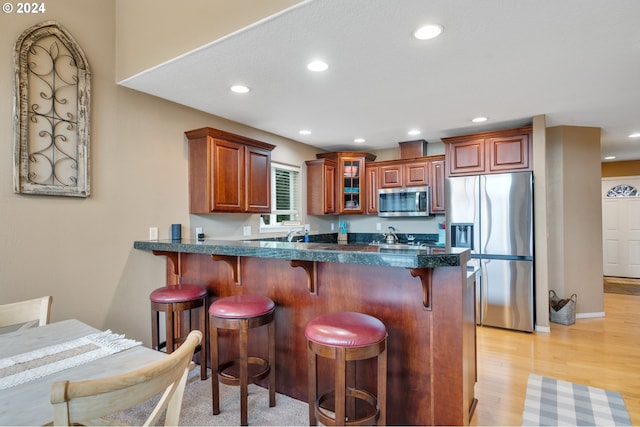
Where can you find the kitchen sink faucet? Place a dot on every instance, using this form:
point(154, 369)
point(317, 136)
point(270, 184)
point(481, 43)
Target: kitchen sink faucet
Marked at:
point(291, 234)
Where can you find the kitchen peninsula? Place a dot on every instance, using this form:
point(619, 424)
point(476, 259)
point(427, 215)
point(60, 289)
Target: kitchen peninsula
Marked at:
point(423, 296)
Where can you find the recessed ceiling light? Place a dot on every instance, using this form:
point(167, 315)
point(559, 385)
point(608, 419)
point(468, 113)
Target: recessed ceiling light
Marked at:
point(359, 140)
point(414, 132)
point(428, 32)
point(610, 157)
point(240, 89)
point(479, 119)
point(635, 135)
point(317, 65)
point(305, 132)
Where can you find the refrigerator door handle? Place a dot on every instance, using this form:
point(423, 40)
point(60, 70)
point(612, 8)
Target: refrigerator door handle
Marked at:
point(484, 280)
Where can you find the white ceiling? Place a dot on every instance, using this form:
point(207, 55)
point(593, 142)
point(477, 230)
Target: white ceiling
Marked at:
point(576, 61)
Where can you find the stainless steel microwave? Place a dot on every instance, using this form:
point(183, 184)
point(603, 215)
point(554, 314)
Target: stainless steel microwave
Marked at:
point(410, 201)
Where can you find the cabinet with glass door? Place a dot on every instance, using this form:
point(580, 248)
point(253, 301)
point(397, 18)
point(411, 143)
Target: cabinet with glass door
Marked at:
point(350, 185)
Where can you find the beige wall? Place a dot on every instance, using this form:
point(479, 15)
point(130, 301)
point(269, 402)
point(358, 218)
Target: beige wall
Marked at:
point(575, 216)
point(81, 250)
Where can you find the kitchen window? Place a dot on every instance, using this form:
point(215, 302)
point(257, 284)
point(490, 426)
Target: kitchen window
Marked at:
point(285, 199)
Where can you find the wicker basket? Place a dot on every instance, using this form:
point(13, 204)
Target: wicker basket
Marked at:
point(566, 312)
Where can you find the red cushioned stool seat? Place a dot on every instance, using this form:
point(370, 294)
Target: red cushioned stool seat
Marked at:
point(241, 313)
point(241, 306)
point(175, 301)
point(177, 293)
point(346, 337)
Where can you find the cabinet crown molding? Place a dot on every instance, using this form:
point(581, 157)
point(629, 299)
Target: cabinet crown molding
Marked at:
point(228, 136)
point(491, 134)
point(337, 154)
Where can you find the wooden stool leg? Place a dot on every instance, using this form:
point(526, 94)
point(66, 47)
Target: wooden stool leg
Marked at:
point(272, 363)
point(340, 385)
point(215, 388)
point(350, 375)
point(170, 319)
point(203, 344)
point(382, 387)
point(312, 385)
point(155, 338)
point(244, 363)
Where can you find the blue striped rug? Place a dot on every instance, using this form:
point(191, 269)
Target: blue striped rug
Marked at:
point(551, 402)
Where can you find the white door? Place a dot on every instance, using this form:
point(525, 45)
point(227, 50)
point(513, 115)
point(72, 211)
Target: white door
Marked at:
point(621, 226)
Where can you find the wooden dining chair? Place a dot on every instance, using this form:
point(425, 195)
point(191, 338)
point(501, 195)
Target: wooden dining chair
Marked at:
point(89, 401)
point(26, 313)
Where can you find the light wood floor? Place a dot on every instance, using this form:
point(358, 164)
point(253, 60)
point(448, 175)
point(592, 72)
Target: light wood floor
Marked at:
point(621, 285)
point(602, 352)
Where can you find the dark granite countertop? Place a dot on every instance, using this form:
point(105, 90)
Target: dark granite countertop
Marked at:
point(350, 253)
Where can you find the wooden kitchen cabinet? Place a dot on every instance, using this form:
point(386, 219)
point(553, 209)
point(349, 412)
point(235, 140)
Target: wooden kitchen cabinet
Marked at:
point(321, 187)
point(350, 180)
point(465, 157)
point(509, 153)
point(228, 172)
point(398, 174)
point(391, 175)
point(416, 173)
point(372, 185)
point(489, 152)
point(428, 170)
point(437, 167)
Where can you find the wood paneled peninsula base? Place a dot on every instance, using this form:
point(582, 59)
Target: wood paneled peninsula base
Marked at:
point(422, 296)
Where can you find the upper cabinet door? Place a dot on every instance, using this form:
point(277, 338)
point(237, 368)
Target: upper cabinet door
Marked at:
point(257, 180)
point(321, 187)
point(437, 186)
point(372, 189)
point(509, 153)
point(466, 157)
point(329, 186)
point(391, 176)
point(416, 173)
point(351, 184)
point(228, 176)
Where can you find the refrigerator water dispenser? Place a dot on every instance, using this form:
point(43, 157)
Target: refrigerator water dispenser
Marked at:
point(462, 235)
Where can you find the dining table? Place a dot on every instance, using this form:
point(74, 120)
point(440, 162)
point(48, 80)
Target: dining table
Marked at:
point(27, 401)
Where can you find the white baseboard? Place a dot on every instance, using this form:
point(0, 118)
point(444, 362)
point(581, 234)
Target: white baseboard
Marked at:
point(543, 329)
point(547, 329)
point(589, 315)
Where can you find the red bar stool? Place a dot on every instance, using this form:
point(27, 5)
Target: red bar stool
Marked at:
point(345, 337)
point(241, 313)
point(173, 300)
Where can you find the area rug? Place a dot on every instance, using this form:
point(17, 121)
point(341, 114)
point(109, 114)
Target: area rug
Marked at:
point(551, 402)
point(197, 410)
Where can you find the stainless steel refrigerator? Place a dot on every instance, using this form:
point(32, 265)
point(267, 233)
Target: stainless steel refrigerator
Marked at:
point(493, 216)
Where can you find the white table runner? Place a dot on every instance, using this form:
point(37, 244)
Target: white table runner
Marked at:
point(35, 364)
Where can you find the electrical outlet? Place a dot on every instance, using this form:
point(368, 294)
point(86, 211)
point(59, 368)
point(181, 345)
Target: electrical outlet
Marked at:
point(378, 226)
point(307, 228)
point(246, 230)
point(333, 226)
point(153, 233)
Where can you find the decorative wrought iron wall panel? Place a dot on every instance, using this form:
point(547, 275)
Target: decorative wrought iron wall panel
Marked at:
point(51, 116)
